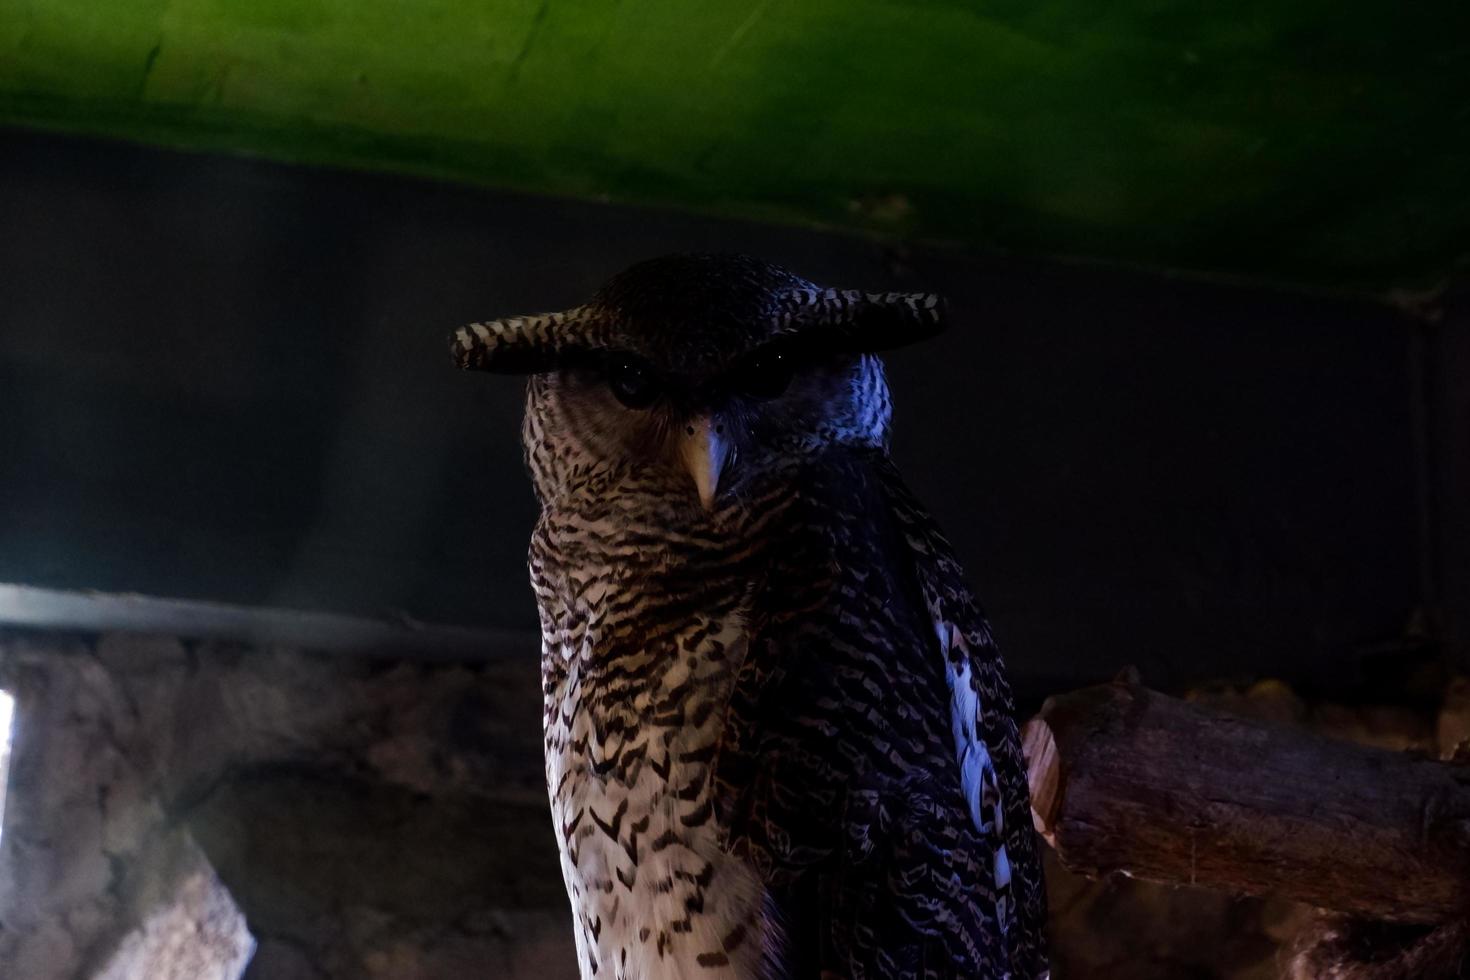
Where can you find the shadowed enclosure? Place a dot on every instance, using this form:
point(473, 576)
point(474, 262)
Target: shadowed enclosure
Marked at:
point(1200, 417)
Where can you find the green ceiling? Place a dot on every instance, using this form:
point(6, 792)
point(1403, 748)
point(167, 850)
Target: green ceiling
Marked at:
point(1316, 142)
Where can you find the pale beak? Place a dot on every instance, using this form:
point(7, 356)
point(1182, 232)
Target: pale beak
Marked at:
point(704, 450)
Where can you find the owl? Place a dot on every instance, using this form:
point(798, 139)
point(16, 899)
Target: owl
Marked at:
point(779, 738)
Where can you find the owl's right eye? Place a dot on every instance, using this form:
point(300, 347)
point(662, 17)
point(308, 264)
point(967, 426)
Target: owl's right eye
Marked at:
point(632, 382)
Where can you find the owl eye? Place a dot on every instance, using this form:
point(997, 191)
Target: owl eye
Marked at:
point(765, 375)
point(632, 382)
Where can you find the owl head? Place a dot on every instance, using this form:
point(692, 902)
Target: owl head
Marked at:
point(699, 374)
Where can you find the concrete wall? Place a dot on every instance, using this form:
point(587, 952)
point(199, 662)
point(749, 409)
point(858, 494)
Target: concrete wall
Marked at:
point(226, 379)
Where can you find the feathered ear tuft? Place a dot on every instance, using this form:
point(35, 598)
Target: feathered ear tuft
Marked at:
point(521, 344)
point(867, 323)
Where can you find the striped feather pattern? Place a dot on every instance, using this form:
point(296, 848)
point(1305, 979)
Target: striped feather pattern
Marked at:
point(779, 738)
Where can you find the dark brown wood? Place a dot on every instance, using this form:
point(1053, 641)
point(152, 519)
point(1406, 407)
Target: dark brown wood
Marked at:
point(1128, 780)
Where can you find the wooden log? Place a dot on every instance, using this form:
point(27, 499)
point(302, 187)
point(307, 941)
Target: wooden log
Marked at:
point(1125, 779)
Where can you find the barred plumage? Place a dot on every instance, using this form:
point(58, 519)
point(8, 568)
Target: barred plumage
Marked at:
point(779, 739)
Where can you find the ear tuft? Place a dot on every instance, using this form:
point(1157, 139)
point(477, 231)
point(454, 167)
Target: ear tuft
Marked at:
point(521, 344)
point(867, 322)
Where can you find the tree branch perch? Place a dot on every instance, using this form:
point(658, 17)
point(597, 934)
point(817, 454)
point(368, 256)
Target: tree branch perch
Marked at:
point(1127, 779)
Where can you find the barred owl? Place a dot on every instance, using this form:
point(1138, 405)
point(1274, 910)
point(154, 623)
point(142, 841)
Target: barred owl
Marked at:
point(779, 737)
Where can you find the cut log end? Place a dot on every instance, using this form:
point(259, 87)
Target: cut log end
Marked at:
point(1043, 775)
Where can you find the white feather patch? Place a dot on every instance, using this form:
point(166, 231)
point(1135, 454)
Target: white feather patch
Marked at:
point(964, 710)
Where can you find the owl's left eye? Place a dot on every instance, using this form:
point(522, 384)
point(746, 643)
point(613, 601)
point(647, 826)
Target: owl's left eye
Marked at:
point(766, 374)
point(632, 382)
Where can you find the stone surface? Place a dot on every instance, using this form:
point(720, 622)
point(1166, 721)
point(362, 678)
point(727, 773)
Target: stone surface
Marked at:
point(377, 819)
point(188, 925)
point(96, 881)
point(370, 818)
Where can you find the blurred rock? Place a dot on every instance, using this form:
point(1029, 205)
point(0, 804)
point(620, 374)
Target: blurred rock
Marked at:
point(1267, 700)
point(1397, 729)
point(372, 819)
point(1126, 929)
point(381, 819)
point(188, 928)
point(1452, 727)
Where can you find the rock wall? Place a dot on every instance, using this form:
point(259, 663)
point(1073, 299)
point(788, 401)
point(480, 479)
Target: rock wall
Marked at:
point(176, 807)
point(366, 818)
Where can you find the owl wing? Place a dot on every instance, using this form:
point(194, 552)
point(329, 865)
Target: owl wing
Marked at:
point(983, 720)
point(870, 768)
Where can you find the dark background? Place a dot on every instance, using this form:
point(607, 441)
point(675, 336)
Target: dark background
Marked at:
point(227, 379)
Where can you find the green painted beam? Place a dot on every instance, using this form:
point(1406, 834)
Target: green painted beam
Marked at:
point(1308, 141)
